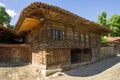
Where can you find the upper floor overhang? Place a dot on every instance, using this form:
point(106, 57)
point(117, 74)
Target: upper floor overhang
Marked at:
point(36, 12)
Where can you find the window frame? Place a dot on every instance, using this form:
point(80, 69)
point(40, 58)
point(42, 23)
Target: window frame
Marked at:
point(58, 35)
point(82, 37)
point(87, 38)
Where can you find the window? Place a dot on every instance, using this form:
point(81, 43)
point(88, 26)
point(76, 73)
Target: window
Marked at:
point(61, 36)
point(57, 35)
point(53, 35)
point(81, 37)
point(87, 38)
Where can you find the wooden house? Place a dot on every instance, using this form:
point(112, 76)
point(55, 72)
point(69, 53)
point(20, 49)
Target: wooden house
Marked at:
point(57, 36)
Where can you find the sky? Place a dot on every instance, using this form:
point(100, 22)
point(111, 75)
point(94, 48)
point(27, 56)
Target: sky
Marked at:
point(89, 9)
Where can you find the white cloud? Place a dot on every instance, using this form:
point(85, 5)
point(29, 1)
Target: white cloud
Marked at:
point(1, 4)
point(12, 13)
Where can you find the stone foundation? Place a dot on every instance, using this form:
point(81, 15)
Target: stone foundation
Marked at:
point(107, 51)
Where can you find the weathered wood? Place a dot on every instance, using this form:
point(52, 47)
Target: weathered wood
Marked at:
point(58, 57)
point(55, 13)
point(15, 53)
point(52, 24)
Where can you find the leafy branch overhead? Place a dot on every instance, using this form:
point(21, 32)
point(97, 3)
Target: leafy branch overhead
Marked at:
point(102, 18)
point(5, 18)
point(112, 23)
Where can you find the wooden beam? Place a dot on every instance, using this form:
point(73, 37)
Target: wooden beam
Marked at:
point(2, 31)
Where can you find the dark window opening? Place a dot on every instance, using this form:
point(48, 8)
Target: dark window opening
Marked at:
point(75, 55)
point(81, 55)
point(57, 35)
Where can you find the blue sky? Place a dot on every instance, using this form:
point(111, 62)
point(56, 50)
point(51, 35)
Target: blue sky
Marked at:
point(88, 9)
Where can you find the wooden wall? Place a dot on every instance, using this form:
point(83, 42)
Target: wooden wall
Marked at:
point(37, 39)
point(58, 57)
point(59, 51)
point(15, 53)
point(72, 36)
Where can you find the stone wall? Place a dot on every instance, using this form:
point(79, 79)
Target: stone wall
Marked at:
point(117, 48)
point(107, 51)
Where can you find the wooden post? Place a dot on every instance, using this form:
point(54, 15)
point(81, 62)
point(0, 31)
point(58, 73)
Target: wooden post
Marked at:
point(74, 35)
point(50, 33)
point(89, 39)
point(47, 56)
point(46, 34)
point(65, 37)
point(84, 39)
point(82, 54)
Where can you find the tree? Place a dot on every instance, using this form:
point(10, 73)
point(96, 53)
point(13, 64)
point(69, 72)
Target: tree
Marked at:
point(5, 18)
point(10, 26)
point(102, 18)
point(114, 24)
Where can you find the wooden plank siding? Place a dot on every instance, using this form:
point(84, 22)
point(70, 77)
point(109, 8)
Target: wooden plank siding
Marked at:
point(56, 34)
point(17, 53)
point(58, 57)
point(59, 51)
point(71, 37)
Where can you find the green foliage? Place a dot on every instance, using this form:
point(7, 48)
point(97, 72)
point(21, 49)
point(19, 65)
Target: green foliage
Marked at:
point(11, 26)
point(104, 40)
point(102, 18)
point(112, 23)
point(4, 17)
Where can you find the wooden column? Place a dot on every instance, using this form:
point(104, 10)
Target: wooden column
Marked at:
point(50, 24)
point(73, 34)
point(89, 39)
point(84, 39)
point(46, 35)
point(65, 37)
point(79, 36)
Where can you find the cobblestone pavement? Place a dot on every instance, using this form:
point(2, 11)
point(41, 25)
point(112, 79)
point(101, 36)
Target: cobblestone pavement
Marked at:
point(107, 69)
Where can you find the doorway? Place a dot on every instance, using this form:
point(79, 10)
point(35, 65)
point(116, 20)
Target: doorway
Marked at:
point(81, 55)
point(76, 55)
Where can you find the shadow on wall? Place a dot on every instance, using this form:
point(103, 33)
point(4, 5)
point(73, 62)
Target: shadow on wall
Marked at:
point(95, 68)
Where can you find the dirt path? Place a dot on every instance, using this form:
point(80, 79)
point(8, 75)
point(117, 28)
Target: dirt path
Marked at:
point(107, 69)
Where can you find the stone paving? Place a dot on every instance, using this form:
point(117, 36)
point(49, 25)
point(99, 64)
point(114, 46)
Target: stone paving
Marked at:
point(107, 69)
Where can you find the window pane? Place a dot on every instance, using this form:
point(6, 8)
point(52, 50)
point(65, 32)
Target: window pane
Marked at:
point(53, 35)
point(82, 37)
point(87, 38)
point(61, 36)
point(56, 36)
